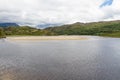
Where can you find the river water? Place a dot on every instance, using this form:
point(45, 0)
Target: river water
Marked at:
point(95, 59)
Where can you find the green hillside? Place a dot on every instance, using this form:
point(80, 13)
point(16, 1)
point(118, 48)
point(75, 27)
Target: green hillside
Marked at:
point(110, 28)
point(23, 31)
point(26, 30)
point(2, 34)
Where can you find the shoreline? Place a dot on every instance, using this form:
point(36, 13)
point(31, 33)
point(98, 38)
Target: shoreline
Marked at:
point(39, 38)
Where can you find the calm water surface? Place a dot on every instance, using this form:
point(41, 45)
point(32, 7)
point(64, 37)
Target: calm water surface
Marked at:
point(97, 59)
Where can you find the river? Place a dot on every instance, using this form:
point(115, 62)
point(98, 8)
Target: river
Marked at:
point(95, 59)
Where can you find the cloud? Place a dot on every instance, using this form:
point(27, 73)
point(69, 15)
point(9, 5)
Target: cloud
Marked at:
point(111, 12)
point(34, 12)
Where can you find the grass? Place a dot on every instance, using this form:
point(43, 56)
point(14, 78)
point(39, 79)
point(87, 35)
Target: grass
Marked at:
point(115, 34)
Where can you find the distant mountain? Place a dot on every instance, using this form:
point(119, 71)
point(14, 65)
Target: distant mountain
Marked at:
point(8, 25)
point(104, 28)
point(42, 26)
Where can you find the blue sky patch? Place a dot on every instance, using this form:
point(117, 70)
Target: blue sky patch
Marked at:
point(106, 3)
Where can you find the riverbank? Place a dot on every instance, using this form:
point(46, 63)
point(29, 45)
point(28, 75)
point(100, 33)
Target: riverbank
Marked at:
point(37, 38)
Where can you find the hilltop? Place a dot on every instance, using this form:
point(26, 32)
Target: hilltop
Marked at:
point(104, 28)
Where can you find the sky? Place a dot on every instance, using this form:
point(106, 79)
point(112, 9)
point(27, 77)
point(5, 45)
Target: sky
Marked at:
point(35, 12)
point(106, 3)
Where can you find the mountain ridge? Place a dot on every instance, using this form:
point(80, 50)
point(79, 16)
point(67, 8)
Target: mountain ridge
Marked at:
point(8, 25)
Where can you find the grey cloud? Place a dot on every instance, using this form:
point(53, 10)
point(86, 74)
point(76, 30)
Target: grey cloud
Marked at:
point(34, 12)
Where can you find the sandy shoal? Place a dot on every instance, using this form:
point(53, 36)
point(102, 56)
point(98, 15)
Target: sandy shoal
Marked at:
point(36, 38)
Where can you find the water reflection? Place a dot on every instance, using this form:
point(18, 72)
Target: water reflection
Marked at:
point(60, 60)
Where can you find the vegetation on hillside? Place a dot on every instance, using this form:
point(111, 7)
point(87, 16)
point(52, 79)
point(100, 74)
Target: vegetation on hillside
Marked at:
point(22, 31)
point(25, 30)
point(2, 34)
point(110, 28)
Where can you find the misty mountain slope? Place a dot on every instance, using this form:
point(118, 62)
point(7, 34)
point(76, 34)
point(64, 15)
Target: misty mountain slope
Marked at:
point(8, 25)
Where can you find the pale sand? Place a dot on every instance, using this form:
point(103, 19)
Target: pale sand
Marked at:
point(37, 38)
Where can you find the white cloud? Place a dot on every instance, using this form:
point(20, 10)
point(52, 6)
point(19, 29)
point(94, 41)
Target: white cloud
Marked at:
point(112, 12)
point(35, 12)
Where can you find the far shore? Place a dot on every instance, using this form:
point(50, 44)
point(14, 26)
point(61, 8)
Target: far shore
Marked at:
point(37, 38)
